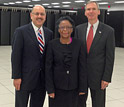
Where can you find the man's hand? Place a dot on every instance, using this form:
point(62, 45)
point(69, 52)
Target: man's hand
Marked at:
point(104, 84)
point(17, 83)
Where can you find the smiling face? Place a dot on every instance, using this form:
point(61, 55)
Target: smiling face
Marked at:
point(38, 16)
point(65, 29)
point(92, 12)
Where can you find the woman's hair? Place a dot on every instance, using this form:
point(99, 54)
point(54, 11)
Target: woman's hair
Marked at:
point(65, 18)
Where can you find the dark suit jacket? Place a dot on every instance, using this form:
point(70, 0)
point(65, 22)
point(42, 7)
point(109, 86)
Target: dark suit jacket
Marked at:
point(27, 61)
point(65, 66)
point(100, 59)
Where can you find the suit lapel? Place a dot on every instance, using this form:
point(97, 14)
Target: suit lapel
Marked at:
point(33, 35)
point(45, 36)
point(84, 32)
point(97, 37)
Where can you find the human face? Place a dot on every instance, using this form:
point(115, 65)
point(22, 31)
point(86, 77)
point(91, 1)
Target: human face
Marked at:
point(92, 12)
point(65, 29)
point(38, 16)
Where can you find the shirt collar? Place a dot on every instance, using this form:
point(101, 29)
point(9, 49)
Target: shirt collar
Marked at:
point(35, 27)
point(95, 25)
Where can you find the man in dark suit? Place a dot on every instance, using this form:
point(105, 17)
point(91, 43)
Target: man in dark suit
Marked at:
point(98, 39)
point(28, 59)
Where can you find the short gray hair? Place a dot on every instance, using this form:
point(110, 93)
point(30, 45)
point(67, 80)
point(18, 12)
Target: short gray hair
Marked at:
point(92, 2)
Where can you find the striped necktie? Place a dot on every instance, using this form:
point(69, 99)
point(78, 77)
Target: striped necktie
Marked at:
point(89, 38)
point(40, 40)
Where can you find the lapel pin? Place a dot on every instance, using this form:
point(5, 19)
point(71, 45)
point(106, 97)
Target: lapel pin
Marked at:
point(100, 32)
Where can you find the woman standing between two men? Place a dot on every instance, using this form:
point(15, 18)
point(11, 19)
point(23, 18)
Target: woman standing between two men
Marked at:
point(65, 67)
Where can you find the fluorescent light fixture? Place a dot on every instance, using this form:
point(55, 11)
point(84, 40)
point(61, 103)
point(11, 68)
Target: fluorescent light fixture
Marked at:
point(6, 3)
point(18, 2)
point(36, 0)
point(30, 5)
point(56, 6)
point(54, 3)
point(103, 3)
point(45, 4)
point(67, 2)
point(79, 1)
point(49, 6)
point(26, 1)
point(66, 6)
point(95, 0)
point(11, 3)
point(119, 2)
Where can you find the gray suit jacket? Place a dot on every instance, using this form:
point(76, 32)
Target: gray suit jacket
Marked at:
point(100, 59)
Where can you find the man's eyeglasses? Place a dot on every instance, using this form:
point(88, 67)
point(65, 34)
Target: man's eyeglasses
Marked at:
point(37, 14)
point(65, 27)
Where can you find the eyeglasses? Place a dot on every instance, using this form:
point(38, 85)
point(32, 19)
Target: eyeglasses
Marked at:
point(41, 14)
point(65, 27)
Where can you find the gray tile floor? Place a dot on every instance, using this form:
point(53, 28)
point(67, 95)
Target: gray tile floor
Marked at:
point(115, 91)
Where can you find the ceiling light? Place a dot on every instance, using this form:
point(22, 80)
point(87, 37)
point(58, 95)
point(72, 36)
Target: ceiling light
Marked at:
point(54, 3)
point(56, 6)
point(119, 2)
point(67, 2)
point(30, 5)
point(45, 4)
point(95, 0)
point(49, 6)
point(36, 0)
point(6, 3)
point(79, 1)
point(26, 1)
point(18, 2)
point(66, 6)
point(11, 3)
point(103, 3)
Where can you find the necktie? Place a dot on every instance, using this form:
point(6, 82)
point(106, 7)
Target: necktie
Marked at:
point(40, 40)
point(89, 38)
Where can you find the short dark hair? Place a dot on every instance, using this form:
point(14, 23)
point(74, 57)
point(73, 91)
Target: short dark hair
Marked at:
point(65, 18)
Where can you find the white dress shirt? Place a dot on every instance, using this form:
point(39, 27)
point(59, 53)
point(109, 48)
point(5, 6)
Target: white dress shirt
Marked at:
point(36, 31)
point(95, 26)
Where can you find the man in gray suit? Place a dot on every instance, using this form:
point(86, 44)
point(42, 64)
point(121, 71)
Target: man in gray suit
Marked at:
point(99, 41)
point(28, 59)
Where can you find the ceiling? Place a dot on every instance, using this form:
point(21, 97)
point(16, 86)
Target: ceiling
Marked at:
point(104, 4)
